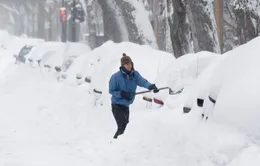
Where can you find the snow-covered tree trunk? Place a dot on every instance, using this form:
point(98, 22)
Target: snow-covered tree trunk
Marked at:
point(245, 26)
point(127, 20)
point(241, 22)
point(114, 25)
point(203, 25)
point(230, 26)
point(179, 28)
point(126, 10)
point(137, 21)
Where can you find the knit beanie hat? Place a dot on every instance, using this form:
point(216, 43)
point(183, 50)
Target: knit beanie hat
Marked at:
point(125, 59)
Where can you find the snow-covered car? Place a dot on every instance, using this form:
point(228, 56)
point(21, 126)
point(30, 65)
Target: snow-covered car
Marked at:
point(63, 58)
point(106, 61)
point(228, 90)
point(45, 57)
point(21, 57)
point(37, 53)
point(180, 75)
point(66, 51)
point(62, 70)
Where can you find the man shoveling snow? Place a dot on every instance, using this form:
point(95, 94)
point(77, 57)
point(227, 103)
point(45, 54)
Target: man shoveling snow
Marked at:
point(122, 87)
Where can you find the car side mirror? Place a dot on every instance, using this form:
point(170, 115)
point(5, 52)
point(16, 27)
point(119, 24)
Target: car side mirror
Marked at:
point(58, 69)
point(88, 80)
point(78, 76)
point(16, 56)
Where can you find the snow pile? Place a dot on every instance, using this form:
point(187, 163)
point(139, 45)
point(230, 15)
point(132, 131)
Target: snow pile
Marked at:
point(235, 86)
point(103, 61)
point(15, 44)
point(76, 49)
point(6, 59)
point(148, 61)
point(26, 41)
point(37, 52)
point(84, 65)
point(59, 127)
point(9, 46)
point(182, 73)
point(44, 122)
point(232, 81)
point(65, 51)
point(76, 68)
point(99, 64)
point(200, 88)
point(5, 38)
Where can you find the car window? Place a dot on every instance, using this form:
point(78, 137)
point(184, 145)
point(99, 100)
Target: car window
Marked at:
point(25, 51)
point(67, 63)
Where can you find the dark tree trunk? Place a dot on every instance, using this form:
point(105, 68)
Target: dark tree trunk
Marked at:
point(179, 28)
point(112, 30)
point(203, 31)
point(127, 11)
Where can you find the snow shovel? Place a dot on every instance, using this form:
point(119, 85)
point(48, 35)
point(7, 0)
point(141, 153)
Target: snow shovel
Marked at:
point(147, 91)
point(171, 92)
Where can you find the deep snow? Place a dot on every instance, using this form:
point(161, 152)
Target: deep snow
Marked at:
point(52, 123)
point(45, 122)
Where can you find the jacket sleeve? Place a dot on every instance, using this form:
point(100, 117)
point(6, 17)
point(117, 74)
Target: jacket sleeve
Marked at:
point(142, 82)
point(113, 89)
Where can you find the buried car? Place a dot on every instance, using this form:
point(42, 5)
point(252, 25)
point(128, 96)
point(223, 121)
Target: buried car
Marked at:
point(37, 54)
point(21, 57)
point(62, 70)
point(228, 93)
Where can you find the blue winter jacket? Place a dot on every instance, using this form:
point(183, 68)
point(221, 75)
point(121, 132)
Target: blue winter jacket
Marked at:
point(123, 82)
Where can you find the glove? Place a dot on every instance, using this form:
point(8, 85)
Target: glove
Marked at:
point(127, 95)
point(154, 88)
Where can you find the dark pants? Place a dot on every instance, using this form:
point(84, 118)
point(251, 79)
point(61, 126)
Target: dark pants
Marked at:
point(121, 114)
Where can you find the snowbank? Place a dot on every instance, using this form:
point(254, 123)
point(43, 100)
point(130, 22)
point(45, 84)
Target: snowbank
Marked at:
point(76, 49)
point(182, 73)
point(232, 81)
point(58, 127)
point(201, 86)
point(9, 46)
point(6, 59)
point(14, 44)
point(105, 60)
point(65, 51)
point(5, 39)
point(37, 52)
point(235, 86)
point(147, 60)
point(43, 122)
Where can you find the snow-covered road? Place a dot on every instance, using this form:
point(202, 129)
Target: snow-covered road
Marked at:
point(44, 122)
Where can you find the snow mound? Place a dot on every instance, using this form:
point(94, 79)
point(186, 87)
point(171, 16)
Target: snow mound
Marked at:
point(235, 85)
point(200, 88)
point(65, 51)
point(15, 44)
point(103, 61)
point(232, 81)
point(182, 73)
point(43, 122)
point(37, 52)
